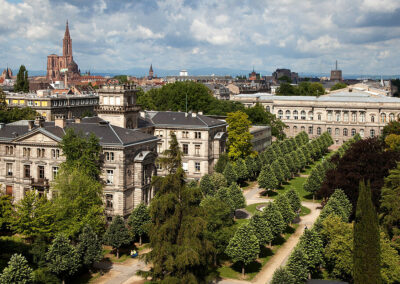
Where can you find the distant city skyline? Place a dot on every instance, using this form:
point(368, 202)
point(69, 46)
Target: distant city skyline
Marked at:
point(307, 37)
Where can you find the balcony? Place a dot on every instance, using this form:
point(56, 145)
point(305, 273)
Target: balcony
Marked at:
point(40, 182)
point(113, 109)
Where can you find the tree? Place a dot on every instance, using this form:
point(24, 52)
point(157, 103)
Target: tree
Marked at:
point(117, 235)
point(282, 276)
point(22, 83)
point(276, 168)
point(286, 172)
point(296, 161)
point(366, 255)
point(302, 158)
point(283, 205)
point(62, 257)
point(224, 194)
point(172, 157)
point(252, 167)
point(38, 251)
point(393, 127)
point(338, 86)
point(294, 200)
point(206, 185)
point(239, 137)
point(6, 211)
point(236, 195)
point(34, 216)
point(17, 271)
point(393, 141)
point(297, 265)
point(266, 179)
point(244, 246)
point(241, 170)
point(221, 163)
point(343, 202)
point(261, 229)
point(313, 248)
point(230, 174)
point(274, 218)
point(218, 181)
point(139, 221)
point(286, 89)
point(89, 247)
point(290, 163)
point(390, 259)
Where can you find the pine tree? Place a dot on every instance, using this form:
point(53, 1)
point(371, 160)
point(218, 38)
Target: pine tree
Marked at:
point(366, 256)
point(266, 179)
point(298, 266)
point(274, 218)
point(282, 276)
point(117, 234)
point(236, 195)
point(276, 167)
point(261, 229)
point(206, 185)
point(17, 271)
point(139, 221)
point(313, 247)
point(89, 247)
point(283, 205)
point(294, 200)
point(244, 246)
point(230, 174)
point(62, 257)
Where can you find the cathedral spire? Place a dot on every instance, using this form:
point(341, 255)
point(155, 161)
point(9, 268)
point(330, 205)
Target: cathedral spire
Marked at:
point(67, 42)
point(66, 31)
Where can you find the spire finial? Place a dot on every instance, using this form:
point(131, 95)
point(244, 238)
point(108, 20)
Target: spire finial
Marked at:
point(336, 65)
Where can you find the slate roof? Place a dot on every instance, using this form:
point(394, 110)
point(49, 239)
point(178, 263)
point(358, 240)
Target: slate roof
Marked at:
point(181, 119)
point(109, 135)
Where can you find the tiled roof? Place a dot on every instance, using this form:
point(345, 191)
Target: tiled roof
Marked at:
point(180, 119)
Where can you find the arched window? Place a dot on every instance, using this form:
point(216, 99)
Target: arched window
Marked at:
point(372, 133)
point(310, 130)
point(303, 115)
point(383, 117)
point(345, 132)
point(318, 130)
point(310, 115)
point(353, 132)
point(391, 117)
point(295, 130)
point(303, 128)
point(362, 133)
point(287, 113)
point(337, 131)
point(295, 114)
point(329, 130)
point(319, 117)
point(280, 114)
point(372, 118)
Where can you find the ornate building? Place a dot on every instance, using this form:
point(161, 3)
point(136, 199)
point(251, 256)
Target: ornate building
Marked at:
point(63, 67)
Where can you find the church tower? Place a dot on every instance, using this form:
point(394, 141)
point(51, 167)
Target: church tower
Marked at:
point(151, 72)
point(67, 43)
point(117, 105)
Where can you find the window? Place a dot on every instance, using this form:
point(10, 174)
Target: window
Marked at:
point(391, 117)
point(372, 118)
point(383, 117)
point(346, 116)
point(362, 117)
point(159, 133)
point(268, 109)
point(185, 134)
point(110, 177)
point(118, 101)
point(197, 167)
point(9, 150)
point(362, 133)
point(55, 172)
point(294, 129)
point(353, 117)
point(109, 201)
point(27, 171)
point(337, 116)
point(9, 170)
point(318, 130)
point(40, 172)
point(158, 166)
point(337, 131)
point(26, 152)
point(295, 114)
point(280, 114)
point(55, 153)
point(345, 132)
point(353, 132)
point(40, 153)
point(197, 135)
point(310, 115)
point(185, 149)
point(287, 114)
point(303, 115)
point(197, 150)
point(329, 130)
point(109, 156)
point(302, 128)
point(159, 148)
point(319, 117)
point(310, 130)
point(185, 166)
point(329, 115)
point(372, 133)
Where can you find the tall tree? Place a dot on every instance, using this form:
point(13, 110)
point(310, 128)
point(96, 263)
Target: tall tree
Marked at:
point(206, 185)
point(139, 221)
point(313, 247)
point(294, 200)
point(230, 174)
point(22, 83)
point(218, 181)
point(89, 247)
point(236, 195)
point(274, 218)
point(277, 169)
point(62, 257)
point(297, 265)
point(17, 271)
point(282, 276)
point(239, 137)
point(241, 170)
point(366, 255)
point(6, 211)
point(252, 167)
point(261, 229)
point(117, 235)
point(283, 205)
point(244, 246)
point(266, 179)
point(172, 157)
point(221, 163)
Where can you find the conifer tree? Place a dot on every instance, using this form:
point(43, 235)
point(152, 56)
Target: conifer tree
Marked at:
point(17, 271)
point(89, 247)
point(139, 221)
point(313, 247)
point(294, 200)
point(230, 174)
point(283, 205)
point(172, 157)
point(366, 256)
point(62, 257)
point(261, 229)
point(117, 235)
point(274, 218)
point(244, 246)
point(297, 265)
point(266, 179)
point(22, 83)
point(276, 167)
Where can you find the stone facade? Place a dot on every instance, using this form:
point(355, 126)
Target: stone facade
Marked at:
point(261, 137)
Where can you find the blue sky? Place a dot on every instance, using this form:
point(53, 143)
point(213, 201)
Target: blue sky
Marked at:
point(306, 36)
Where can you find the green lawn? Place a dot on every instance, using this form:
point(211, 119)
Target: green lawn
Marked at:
point(252, 208)
point(305, 211)
point(233, 271)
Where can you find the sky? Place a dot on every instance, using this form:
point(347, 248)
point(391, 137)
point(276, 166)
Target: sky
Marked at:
point(306, 36)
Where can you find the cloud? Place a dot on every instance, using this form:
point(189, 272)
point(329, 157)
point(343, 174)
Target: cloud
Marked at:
point(307, 36)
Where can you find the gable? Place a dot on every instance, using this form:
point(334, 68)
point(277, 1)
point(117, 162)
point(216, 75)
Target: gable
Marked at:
point(37, 137)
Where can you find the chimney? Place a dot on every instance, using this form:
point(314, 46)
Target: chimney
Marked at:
point(77, 120)
point(39, 121)
point(60, 120)
point(200, 113)
point(2, 125)
point(31, 124)
point(194, 114)
point(142, 114)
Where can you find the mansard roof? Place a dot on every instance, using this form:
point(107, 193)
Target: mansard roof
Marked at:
point(109, 135)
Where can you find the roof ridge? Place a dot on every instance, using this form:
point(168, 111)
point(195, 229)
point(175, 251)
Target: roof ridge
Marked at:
point(202, 120)
point(122, 143)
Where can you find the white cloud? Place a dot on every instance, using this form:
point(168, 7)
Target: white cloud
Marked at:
point(217, 36)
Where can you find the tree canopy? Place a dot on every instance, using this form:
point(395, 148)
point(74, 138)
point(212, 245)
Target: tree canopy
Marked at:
point(239, 137)
point(22, 83)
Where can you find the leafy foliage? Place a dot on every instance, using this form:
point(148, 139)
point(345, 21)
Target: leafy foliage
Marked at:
point(89, 247)
point(172, 157)
point(139, 221)
point(298, 265)
point(312, 245)
point(230, 174)
point(239, 137)
point(17, 271)
point(117, 235)
point(282, 276)
point(22, 83)
point(274, 218)
point(261, 228)
point(294, 200)
point(266, 178)
point(303, 89)
point(6, 211)
point(284, 207)
point(338, 86)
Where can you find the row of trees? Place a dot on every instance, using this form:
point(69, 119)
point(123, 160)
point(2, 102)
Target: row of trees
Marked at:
point(303, 89)
point(264, 227)
point(8, 115)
